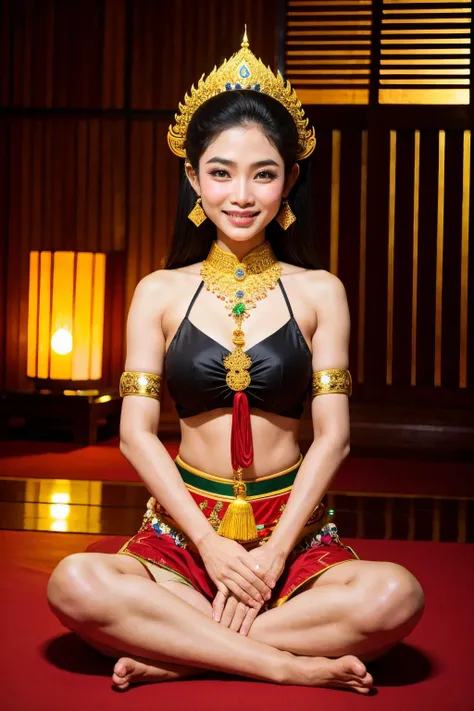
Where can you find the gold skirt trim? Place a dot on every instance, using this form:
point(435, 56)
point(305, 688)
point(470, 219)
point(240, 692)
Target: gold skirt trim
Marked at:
point(223, 480)
point(222, 497)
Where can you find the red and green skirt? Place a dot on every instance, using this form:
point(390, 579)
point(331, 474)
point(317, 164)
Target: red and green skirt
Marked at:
point(162, 542)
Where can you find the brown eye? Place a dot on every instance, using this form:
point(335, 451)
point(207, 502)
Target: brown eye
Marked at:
point(219, 173)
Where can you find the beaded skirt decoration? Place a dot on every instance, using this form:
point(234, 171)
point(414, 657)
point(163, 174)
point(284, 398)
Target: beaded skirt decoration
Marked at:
point(162, 542)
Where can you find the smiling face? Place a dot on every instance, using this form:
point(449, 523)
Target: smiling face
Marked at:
point(241, 182)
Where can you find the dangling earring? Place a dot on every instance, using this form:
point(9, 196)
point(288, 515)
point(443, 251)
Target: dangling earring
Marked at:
point(285, 217)
point(197, 214)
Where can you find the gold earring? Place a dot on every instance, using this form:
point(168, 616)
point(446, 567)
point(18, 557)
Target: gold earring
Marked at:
point(286, 216)
point(197, 214)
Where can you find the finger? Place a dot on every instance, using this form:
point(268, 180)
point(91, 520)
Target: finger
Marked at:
point(257, 574)
point(229, 611)
point(239, 616)
point(219, 604)
point(249, 582)
point(241, 594)
point(265, 575)
point(248, 620)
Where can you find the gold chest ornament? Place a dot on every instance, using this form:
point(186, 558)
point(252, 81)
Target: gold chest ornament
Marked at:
point(240, 285)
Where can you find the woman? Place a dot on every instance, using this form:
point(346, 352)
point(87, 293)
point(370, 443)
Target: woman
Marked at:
point(233, 568)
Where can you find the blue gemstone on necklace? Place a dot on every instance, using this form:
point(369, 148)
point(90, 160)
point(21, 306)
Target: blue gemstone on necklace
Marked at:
point(239, 273)
point(240, 294)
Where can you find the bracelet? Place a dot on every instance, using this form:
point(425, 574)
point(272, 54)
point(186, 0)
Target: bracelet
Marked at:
point(135, 383)
point(333, 380)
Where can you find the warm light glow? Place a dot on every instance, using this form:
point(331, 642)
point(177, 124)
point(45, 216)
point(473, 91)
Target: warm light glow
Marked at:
point(61, 342)
point(59, 526)
point(63, 505)
point(60, 498)
point(66, 315)
point(59, 511)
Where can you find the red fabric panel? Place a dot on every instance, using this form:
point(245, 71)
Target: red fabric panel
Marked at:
point(241, 446)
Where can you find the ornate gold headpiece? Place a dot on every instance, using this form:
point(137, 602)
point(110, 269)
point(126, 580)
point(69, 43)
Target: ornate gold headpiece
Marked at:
point(242, 71)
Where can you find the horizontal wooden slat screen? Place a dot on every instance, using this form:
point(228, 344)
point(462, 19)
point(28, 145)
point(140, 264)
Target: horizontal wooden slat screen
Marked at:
point(403, 51)
point(425, 52)
point(328, 50)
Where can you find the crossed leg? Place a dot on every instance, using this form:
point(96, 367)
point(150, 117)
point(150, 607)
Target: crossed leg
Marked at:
point(355, 608)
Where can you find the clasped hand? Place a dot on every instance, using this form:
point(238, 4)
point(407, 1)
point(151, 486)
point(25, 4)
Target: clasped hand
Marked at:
point(244, 579)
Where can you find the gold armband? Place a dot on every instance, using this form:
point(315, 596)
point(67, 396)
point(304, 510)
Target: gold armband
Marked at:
point(333, 380)
point(136, 383)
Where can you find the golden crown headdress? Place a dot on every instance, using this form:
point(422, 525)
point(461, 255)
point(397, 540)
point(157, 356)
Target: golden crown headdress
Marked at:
point(242, 71)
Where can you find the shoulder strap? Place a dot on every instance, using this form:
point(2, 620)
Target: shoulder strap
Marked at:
point(196, 294)
point(286, 298)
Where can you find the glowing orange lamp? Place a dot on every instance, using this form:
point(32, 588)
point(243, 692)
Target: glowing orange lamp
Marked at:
point(66, 318)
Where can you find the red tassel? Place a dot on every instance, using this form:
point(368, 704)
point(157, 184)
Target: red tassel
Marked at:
point(241, 445)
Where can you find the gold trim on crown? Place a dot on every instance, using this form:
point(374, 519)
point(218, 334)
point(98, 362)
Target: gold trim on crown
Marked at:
point(242, 71)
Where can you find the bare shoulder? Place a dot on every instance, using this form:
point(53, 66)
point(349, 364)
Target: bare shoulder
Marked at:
point(162, 285)
point(154, 281)
point(316, 284)
point(162, 291)
point(325, 284)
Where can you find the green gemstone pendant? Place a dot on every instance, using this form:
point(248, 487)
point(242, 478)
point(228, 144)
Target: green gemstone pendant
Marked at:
point(239, 309)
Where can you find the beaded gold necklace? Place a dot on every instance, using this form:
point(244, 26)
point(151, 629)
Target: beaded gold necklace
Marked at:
point(240, 284)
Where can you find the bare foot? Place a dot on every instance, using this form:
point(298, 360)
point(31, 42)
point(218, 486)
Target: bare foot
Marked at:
point(135, 670)
point(344, 673)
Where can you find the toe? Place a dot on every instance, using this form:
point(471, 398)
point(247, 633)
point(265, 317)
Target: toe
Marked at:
point(362, 690)
point(122, 668)
point(120, 683)
point(352, 665)
point(122, 671)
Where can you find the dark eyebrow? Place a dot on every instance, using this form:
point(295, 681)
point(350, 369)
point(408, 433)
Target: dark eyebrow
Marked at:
point(257, 164)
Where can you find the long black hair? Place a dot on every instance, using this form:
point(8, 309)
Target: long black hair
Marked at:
point(296, 245)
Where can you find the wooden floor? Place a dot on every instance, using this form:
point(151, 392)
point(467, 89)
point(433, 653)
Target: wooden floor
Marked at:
point(117, 508)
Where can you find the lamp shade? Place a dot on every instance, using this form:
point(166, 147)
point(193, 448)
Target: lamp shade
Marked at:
point(66, 315)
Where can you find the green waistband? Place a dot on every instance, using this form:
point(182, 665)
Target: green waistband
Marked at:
point(254, 488)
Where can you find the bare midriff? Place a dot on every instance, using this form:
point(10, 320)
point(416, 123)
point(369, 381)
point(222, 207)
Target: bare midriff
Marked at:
point(205, 443)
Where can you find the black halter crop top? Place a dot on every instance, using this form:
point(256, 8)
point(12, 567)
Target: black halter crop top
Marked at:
point(280, 372)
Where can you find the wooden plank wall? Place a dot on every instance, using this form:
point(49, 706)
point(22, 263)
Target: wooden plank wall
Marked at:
point(392, 206)
point(89, 88)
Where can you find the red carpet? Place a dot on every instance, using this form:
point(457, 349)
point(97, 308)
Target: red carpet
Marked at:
point(105, 462)
point(46, 668)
